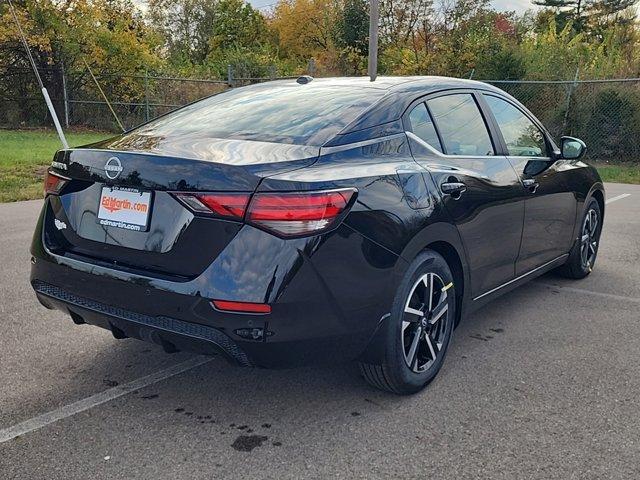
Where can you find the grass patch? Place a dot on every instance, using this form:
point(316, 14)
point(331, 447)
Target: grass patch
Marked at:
point(620, 173)
point(25, 156)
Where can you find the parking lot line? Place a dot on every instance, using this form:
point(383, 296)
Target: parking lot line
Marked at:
point(590, 292)
point(619, 197)
point(48, 418)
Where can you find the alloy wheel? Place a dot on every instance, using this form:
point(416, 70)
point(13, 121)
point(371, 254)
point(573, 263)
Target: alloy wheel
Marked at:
point(424, 323)
point(589, 239)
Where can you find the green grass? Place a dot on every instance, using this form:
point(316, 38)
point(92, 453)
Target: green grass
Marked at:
point(25, 155)
point(620, 173)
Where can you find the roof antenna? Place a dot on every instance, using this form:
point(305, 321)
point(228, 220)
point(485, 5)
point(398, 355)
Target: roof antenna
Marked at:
point(47, 100)
point(373, 40)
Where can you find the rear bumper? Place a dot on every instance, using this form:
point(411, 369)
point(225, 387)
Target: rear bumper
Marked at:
point(327, 294)
point(170, 333)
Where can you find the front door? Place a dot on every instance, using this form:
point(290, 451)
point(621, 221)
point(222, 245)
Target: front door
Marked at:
point(550, 205)
point(480, 190)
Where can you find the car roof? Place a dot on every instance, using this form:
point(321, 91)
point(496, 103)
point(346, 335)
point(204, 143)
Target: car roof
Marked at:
point(400, 92)
point(391, 84)
point(383, 117)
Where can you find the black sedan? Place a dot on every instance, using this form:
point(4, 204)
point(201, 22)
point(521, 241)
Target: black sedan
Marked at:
point(296, 222)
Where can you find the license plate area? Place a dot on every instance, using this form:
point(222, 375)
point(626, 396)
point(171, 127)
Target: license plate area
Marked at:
point(126, 208)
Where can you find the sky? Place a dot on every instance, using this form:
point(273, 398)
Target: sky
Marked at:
point(517, 5)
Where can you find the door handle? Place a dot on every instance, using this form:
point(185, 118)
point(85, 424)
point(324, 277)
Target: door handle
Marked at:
point(530, 184)
point(455, 189)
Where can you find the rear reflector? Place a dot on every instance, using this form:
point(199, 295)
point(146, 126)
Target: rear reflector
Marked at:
point(296, 214)
point(225, 205)
point(241, 307)
point(53, 183)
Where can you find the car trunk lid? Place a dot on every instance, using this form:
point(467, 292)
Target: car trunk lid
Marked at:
point(165, 237)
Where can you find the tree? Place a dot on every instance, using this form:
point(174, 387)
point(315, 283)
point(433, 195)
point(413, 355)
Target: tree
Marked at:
point(109, 34)
point(308, 29)
point(353, 27)
point(606, 14)
point(400, 20)
point(566, 11)
point(609, 7)
point(236, 24)
point(185, 26)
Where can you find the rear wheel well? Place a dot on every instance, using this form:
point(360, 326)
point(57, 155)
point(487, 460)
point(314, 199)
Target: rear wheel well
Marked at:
point(455, 264)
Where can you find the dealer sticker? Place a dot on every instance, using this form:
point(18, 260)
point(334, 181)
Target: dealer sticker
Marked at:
point(126, 208)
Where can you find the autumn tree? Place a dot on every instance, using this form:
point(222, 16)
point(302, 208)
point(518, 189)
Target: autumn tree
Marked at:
point(109, 34)
point(307, 29)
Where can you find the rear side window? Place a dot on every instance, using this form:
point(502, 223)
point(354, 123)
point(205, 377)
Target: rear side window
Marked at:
point(461, 126)
point(422, 126)
point(286, 113)
point(522, 136)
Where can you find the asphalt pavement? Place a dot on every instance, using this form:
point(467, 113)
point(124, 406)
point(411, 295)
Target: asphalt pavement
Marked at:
point(542, 383)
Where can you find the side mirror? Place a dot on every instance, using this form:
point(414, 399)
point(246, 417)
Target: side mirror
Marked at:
point(572, 148)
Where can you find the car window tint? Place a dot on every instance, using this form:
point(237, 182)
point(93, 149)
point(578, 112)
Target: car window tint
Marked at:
point(461, 125)
point(422, 126)
point(522, 136)
point(288, 113)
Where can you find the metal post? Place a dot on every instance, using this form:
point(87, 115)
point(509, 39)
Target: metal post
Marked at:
point(312, 67)
point(65, 98)
point(572, 88)
point(146, 95)
point(230, 76)
point(373, 39)
point(272, 72)
point(104, 96)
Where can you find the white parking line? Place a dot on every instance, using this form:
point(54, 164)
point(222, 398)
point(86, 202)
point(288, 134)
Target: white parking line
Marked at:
point(619, 197)
point(590, 292)
point(48, 418)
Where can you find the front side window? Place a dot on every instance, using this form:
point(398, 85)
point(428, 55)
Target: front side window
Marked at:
point(422, 126)
point(522, 136)
point(461, 125)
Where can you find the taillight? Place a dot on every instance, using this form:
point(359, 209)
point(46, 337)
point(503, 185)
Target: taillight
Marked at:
point(225, 205)
point(297, 214)
point(53, 183)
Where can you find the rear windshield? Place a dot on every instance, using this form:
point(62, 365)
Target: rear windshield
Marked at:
point(291, 113)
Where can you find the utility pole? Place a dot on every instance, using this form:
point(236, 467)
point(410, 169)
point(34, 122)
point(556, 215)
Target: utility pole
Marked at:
point(373, 39)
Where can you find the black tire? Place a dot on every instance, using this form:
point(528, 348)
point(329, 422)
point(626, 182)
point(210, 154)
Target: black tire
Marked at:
point(578, 264)
point(394, 372)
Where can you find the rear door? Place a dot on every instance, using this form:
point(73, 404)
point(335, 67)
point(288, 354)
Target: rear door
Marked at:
point(481, 191)
point(550, 205)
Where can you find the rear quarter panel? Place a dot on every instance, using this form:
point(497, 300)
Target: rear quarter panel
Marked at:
point(386, 213)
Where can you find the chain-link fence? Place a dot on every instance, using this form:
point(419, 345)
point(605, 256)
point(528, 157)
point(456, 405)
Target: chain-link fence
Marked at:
point(604, 113)
point(80, 101)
